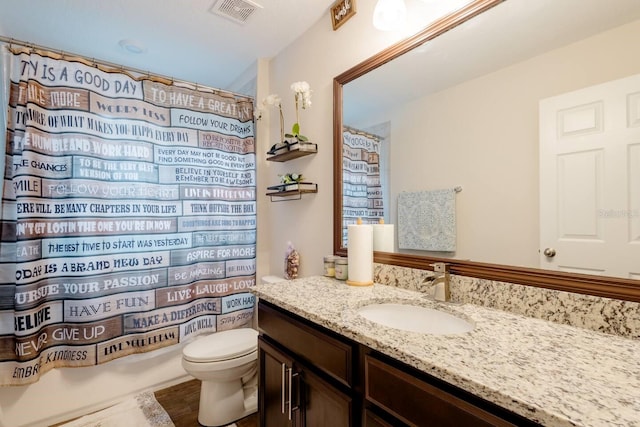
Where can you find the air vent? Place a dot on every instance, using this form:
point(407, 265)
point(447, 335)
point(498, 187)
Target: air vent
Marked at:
point(236, 10)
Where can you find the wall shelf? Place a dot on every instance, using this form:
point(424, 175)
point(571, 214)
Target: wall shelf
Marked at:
point(292, 151)
point(283, 153)
point(285, 195)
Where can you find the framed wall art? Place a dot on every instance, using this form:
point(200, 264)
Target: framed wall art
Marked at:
point(341, 12)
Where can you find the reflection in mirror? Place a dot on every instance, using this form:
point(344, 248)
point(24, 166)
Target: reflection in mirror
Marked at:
point(463, 108)
point(476, 122)
point(365, 175)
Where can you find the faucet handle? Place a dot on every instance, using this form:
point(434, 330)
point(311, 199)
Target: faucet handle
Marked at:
point(439, 267)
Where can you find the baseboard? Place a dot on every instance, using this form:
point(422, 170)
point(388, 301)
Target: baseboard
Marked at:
point(77, 413)
point(172, 382)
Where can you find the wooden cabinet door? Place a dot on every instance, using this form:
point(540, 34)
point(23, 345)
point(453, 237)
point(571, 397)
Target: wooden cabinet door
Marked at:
point(315, 403)
point(418, 403)
point(324, 405)
point(275, 392)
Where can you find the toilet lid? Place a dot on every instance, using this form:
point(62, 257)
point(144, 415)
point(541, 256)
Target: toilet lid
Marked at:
point(222, 345)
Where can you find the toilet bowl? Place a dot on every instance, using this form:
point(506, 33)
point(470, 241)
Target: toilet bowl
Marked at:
point(227, 363)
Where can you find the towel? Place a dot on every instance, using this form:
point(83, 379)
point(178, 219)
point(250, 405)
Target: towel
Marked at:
point(141, 410)
point(427, 220)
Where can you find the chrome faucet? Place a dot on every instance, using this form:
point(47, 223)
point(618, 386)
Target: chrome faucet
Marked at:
point(440, 282)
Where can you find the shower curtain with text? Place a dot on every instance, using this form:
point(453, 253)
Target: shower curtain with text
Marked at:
point(128, 215)
point(361, 188)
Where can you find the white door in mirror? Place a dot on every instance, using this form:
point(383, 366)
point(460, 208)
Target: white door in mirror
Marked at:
point(590, 180)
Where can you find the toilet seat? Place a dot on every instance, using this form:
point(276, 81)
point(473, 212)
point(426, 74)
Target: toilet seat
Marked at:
point(220, 346)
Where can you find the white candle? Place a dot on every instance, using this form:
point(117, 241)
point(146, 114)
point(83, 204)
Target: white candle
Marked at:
point(383, 237)
point(360, 254)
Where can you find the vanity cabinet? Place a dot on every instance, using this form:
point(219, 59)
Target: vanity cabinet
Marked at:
point(305, 375)
point(415, 401)
point(333, 381)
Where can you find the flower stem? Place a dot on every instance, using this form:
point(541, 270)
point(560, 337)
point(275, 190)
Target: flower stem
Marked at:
point(297, 117)
point(281, 125)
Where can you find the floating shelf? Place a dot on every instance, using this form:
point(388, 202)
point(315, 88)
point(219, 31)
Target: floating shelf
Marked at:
point(293, 151)
point(291, 194)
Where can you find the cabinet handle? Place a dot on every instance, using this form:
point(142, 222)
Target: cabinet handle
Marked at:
point(282, 388)
point(291, 408)
point(290, 376)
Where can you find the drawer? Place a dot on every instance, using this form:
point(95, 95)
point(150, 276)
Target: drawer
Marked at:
point(419, 403)
point(327, 353)
point(372, 420)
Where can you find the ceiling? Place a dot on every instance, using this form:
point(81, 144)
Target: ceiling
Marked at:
point(479, 47)
point(181, 39)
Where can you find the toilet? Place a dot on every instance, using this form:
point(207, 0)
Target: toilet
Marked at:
point(227, 363)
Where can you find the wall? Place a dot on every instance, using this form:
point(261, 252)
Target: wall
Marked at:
point(483, 136)
point(316, 57)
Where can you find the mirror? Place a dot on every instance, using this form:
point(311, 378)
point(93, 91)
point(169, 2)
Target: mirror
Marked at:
point(476, 44)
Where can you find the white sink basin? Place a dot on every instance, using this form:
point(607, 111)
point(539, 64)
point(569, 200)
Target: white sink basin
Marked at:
point(414, 318)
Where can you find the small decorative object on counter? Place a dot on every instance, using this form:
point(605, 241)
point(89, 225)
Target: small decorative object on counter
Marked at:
point(342, 268)
point(291, 262)
point(329, 266)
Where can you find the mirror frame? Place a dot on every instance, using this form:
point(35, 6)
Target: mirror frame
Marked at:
point(610, 287)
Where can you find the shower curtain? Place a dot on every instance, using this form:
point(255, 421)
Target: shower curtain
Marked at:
point(128, 215)
point(362, 195)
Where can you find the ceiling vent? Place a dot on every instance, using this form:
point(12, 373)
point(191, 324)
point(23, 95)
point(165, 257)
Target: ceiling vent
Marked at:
point(238, 11)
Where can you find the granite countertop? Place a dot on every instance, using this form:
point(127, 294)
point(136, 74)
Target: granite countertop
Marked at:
point(554, 374)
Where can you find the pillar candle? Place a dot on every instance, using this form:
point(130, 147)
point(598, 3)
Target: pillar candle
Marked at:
point(383, 237)
point(360, 254)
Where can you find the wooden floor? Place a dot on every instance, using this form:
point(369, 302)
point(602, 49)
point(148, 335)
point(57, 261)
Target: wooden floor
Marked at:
point(181, 403)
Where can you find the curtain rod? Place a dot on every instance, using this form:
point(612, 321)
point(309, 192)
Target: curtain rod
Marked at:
point(120, 66)
point(363, 133)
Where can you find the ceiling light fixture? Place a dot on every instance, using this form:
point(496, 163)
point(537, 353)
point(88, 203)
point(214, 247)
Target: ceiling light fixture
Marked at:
point(132, 46)
point(389, 15)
